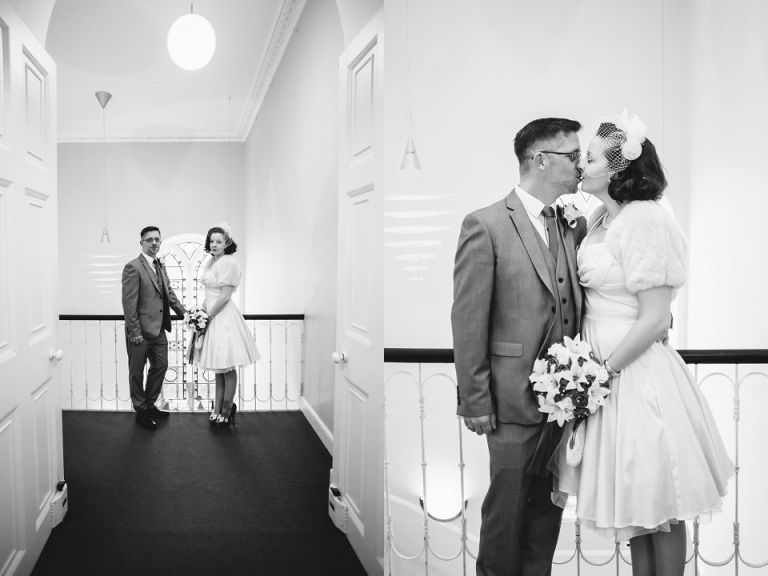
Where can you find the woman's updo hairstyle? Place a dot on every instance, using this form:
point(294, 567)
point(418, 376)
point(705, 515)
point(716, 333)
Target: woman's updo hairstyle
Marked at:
point(643, 179)
point(230, 247)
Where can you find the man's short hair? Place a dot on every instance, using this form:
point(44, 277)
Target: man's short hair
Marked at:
point(543, 129)
point(150, 229)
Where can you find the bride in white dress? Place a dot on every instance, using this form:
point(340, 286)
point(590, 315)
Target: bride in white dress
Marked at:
point(227, 343)
point(653, 456)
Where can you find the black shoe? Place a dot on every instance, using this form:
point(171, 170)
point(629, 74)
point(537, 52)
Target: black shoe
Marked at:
point(144, 420)
point(232, 413)
point(157, 413)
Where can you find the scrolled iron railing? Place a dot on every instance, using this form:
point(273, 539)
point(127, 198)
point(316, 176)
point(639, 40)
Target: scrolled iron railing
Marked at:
point(94, 370)
point(723, 546)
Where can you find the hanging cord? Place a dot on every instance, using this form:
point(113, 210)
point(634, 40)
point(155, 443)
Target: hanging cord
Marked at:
point(104, 161)
point(229, 130)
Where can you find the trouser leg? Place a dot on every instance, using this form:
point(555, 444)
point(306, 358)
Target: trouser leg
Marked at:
point(137, 359)
point(158, 366)
point(542, 528)
point(513, 534)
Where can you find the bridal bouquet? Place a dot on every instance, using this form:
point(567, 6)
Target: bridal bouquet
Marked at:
point(197, 319)
point(570, 384)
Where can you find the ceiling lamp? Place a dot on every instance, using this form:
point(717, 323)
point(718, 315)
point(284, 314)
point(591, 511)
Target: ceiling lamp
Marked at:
point(191, 41)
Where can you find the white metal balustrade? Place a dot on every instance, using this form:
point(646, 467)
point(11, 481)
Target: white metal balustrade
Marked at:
point(94, 369)
point(436, 474)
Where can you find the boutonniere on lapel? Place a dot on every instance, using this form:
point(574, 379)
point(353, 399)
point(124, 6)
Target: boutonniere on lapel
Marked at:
point(570, 214)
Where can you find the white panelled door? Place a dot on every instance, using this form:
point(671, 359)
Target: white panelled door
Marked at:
point(31, 460)
point(358, 461)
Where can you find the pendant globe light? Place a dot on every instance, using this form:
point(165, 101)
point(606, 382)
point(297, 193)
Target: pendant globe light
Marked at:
point(104, 98)
point(191, 41)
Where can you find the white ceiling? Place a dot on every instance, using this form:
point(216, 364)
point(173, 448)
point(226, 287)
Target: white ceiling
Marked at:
point(120, 46)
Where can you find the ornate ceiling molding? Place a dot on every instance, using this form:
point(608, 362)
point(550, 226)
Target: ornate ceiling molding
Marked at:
point(286, 24)
point(281, 35)
point(83, 139)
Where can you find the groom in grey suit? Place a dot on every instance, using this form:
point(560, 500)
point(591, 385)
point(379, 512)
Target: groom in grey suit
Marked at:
point(516, 292)
point(147, 300)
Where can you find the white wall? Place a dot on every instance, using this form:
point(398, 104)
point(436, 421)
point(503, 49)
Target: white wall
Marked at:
point(480, 71)
point(729, 195)
point(695, 72)
point(291, 182)
point(179, 187)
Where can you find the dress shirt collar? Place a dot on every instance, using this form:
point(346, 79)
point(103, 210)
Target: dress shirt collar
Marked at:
point(150, 260)
point(532, 204)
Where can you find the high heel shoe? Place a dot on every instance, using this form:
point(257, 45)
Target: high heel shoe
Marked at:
point(213, 418)
point(223, 422)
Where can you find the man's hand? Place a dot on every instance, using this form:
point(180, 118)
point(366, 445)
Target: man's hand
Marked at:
point(481, 424)
point(137, 340)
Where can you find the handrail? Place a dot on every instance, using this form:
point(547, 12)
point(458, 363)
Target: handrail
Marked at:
point(176, 317)
point(445, 356)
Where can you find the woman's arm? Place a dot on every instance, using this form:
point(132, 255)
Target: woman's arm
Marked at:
point(652, 321)
point(223, 300)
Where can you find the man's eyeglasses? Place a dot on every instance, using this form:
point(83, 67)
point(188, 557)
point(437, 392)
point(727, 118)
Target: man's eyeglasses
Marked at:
point(574, 156)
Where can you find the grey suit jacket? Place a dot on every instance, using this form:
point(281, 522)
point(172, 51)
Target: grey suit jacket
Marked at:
point(502, 309)
point(143, 301)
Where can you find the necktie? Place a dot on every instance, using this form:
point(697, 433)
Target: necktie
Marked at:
point(156, 262)
point(549, 216)
point(166, 311)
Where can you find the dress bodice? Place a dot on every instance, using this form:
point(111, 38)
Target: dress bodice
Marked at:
point(223, 272)
point(606, 296)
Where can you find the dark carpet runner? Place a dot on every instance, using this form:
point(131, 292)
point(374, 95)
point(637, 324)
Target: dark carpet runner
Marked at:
point(188, 499)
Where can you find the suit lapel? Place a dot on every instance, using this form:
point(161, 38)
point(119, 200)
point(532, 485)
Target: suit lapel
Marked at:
point(150, 272)
point(528, 235)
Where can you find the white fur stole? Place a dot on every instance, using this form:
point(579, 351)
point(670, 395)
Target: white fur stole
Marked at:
point(650, 245)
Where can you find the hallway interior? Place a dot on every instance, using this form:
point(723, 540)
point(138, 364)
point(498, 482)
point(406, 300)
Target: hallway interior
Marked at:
point(191, 499)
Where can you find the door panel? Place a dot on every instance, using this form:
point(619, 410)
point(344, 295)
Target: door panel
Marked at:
point(358, 460)
point(9, 496)
point(30, 414)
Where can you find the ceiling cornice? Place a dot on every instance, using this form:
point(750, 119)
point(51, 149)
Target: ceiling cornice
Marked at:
point(116, 138)
point(286, 24)
point(281, 35)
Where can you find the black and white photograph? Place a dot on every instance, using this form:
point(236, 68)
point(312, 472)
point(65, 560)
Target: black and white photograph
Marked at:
point(383, 287)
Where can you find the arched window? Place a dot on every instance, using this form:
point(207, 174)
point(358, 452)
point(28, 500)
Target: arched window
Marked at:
point(185, 259)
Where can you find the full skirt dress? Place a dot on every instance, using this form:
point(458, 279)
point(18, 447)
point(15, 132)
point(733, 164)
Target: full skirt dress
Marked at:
point(227, 343)
point(653, 455)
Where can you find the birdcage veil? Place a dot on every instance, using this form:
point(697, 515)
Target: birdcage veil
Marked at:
point(615, 142)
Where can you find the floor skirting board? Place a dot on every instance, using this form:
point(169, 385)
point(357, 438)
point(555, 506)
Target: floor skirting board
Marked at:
point(322, 431)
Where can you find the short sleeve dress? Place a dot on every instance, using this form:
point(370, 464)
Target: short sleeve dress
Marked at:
point(227, 343)
point(652, 454)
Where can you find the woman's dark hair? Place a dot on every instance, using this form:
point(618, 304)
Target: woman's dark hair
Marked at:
point(231, 249)
point(643, 179)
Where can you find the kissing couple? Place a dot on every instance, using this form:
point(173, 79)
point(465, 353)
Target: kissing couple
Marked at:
point(525, 277)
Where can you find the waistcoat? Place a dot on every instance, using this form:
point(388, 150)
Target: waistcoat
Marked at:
point(564, 310)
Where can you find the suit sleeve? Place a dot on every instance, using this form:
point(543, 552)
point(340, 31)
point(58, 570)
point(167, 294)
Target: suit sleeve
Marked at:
point(131, 300)
point(473, 280)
